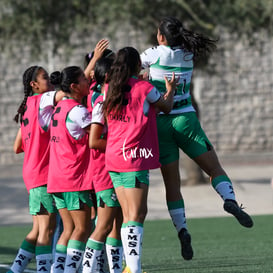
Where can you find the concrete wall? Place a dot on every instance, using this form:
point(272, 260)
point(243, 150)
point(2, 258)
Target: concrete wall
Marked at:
point(235, 100)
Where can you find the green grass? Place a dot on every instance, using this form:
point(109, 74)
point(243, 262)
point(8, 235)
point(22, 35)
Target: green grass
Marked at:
point(220, 245)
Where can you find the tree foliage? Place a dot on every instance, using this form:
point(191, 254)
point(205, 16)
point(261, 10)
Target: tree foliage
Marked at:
point(35, 22)
point(243, 16)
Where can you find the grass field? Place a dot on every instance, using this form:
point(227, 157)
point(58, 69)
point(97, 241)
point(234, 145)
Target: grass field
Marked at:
point(220, 245)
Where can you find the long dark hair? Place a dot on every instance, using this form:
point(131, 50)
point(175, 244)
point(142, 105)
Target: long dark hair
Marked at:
point(29, 75)
point(65, 78)
point(192, 42)
point(107, 53)
point(102, 67)
point(127, 63)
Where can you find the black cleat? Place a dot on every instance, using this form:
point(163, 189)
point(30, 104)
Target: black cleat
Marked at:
point(185, 240)
point(243, 218)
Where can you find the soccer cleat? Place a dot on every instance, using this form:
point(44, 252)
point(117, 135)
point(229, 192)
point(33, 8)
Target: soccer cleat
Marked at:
point(243, 218)
point(185, 240)
point(126, 270)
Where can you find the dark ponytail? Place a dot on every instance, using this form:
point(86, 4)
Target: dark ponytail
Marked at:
point(126, 64)
point(55, 79)
point(177, 35)
point(63, 80)
point(29, 75)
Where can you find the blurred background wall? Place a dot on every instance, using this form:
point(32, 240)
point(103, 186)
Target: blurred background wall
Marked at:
point(234, 90)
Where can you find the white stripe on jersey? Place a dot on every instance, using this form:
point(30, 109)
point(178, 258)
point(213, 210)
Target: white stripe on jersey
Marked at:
point(46, 109)
point(79, 118)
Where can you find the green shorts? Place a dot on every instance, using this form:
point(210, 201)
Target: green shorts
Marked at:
point(108, 198)
point(181, 131)
point(72, 200)
point(129, 179)
point(41, 202)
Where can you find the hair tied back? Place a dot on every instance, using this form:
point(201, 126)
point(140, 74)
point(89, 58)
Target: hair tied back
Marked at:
point(56, 78)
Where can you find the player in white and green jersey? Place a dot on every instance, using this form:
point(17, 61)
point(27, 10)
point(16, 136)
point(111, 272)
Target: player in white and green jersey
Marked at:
point(177, 51)
point(161, 61)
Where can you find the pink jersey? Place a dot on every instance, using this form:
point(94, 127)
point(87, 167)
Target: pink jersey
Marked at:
point(91, 97)
point(132, 143)
point(69, 158)
point(101, 178)
point(35, 143)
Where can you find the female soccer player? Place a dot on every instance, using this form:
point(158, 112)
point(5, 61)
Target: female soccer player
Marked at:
point(33, 137)
point(69, 169)
point(109, 216)
point(132, 145)
point(177, 51)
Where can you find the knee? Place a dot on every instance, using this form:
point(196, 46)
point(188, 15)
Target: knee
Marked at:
point(51, 229)
point(139, 216)
point(67, 232)
point(82, 230)
point(142, 215)
point(101, 232)
point(106, 229)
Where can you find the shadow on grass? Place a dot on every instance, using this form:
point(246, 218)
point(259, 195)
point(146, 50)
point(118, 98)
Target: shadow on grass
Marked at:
point(8, 250)
point(206, 266)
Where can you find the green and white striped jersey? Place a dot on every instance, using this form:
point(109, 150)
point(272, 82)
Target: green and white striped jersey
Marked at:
point(163, 61)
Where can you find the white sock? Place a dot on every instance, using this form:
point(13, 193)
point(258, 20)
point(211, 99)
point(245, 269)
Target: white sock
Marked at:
point(225, 190)
point(59, 262)
point(73, 260)
point(123, 240)
point(114, 256)
point(44, 262)
point(21, 261)
point(133, 252)
point(105, 260)
point(123, 234)
point(93, 259)
point(178, 218)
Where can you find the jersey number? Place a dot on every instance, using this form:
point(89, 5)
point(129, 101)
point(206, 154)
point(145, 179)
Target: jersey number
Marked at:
point(25, 121)
point(54, 121)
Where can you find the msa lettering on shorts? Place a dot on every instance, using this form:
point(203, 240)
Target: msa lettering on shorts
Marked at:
point(135, 152)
